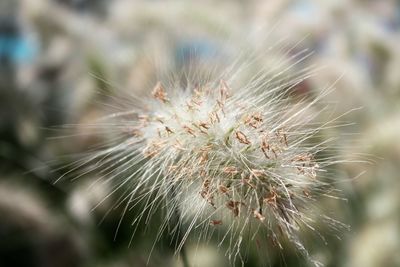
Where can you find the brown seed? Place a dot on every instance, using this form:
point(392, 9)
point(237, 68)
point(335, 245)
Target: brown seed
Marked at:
point(159, 119)
point(223, 189)
point(258, 215)
point(255, 120)
point(205, 192)
point(258, 117)
point(246, 181)
point(285, 139)
point(257, 173)
point(224, 90)
point(242, 138)
point(213, 117)
point(206, 184)
point(208, 197)
point(189, 130)
point(215, 222)
point(159, 93)
point(199, 128)
point(265, 153)
point(168, 130)
point(271, 199)
point(306, 193)
point(204, 125)
point(230, 170)
point(204, 157)
point(206, 148)
point(265, 146)
point(234, 207)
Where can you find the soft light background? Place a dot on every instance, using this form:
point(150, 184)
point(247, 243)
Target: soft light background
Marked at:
point(59, 58)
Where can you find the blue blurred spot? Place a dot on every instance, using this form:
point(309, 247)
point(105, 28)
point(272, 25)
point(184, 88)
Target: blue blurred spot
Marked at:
point(194, 50)
point(17, 49)
point(304, 10)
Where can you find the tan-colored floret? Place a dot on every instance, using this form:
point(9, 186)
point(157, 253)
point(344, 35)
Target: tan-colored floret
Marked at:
point(254, 120)
point(189, 130)
point(234, 207)
point(258, 216)
point(160, 93)
point(230, 170)
point(242, 138)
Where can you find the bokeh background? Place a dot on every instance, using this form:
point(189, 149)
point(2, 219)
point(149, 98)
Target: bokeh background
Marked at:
point(60, 58)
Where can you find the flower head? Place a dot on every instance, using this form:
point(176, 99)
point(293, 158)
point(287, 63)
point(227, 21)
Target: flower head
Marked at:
point(221, 156)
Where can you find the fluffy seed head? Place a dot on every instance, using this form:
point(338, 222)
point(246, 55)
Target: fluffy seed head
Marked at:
point(217, 155)
point(229, 157)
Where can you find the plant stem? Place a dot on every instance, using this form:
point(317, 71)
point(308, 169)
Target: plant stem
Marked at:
point(182, 252)
point(185, 260)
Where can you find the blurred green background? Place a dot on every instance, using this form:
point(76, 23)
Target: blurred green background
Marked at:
point(60, 58)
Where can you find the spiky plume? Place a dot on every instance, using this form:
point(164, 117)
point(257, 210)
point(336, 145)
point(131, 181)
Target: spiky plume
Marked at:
point(219, 156)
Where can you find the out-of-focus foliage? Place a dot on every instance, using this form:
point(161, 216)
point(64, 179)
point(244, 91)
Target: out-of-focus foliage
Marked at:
point(59, 59)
